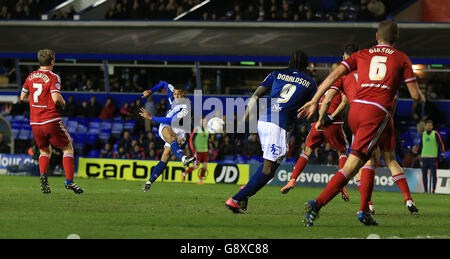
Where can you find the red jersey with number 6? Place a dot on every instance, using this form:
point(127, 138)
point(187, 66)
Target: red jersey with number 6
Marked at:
point(381, 70)
point(40, 85)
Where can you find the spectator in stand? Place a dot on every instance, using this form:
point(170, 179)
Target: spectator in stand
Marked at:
point(364, 14)
point(327, 156)
point(377, 8)
point(412, 158)
point(227, 149)
point(141, 80)
point(152, 155)
point(253, 147)
point(161, 108)
point(83, 111)
point(94, 108)
point(4, 14)
point(126, 140)
point(213, 153)
point(19, 108)
point(125, 112)
point(137, 152)
point(122, 154)
point(107, 152)
point(251, 14)
point(4, 147)
point(71, 108)
point(108, 110)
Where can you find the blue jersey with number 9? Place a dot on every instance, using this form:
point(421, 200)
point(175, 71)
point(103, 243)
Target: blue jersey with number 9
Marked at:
point(289, 90)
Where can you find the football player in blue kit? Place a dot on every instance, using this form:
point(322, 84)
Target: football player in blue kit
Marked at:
point(170, 129)
point(288, 90)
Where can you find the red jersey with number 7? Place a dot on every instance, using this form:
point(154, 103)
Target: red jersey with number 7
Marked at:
point(40, 85)
point(381, 71)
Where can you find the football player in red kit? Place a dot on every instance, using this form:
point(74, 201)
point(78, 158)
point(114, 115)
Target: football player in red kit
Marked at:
point(333, 133)
point(42, 89)
point(381, 70)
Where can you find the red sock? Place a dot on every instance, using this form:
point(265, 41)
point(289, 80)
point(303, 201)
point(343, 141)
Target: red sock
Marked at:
point(190, 169)
point(299, 166)
point(333, 187)
point(400, 180)
point(342, 159)
point(68, 164)
point(358, 184)
point(367, 183)
point(43, 164)
point(202, 173)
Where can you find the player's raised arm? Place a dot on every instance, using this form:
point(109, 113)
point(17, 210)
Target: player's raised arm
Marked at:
point(310, 107)
point(156, 88)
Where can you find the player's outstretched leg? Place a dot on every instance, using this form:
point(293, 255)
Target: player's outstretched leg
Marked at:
point(258, 180)
point(157, 171)
point(298, 168)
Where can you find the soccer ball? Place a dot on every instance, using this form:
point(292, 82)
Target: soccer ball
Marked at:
point(215, 125)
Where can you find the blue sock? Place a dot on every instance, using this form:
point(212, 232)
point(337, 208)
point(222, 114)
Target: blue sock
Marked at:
point(157, 171)
point(176, 150)
point(68, 181)
point(258, 180)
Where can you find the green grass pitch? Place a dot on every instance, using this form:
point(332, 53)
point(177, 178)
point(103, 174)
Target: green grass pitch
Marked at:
point(120, 209)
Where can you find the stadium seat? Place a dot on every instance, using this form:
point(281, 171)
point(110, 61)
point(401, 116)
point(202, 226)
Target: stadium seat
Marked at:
point(129, 125)
point(105, 125)
point(19, 118)
point(94, 153)
point(24, 134)
point(8, 118)
point(117, 128)
point(104, 137)
point(91, 138)
point(82, 129)
point(72, 124)
point(84, 122)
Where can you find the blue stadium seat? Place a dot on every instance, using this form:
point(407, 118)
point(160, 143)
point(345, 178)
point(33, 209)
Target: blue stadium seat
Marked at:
point(104, 137)
point(241, 159)
point(72, 124)
point(105, 125)
point(19, 118)
point(24, 134)
point(255, 159)
point(94, 131)
point(117, 128)
point(79, 137)
point(82, 129)
point(9, 118)
point(92, 138)
point(94, 153)
point(129, 125)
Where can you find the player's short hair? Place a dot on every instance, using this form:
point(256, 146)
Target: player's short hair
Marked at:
point(298, 60)
point(45, 57)
point(388, 31)
point(351, 48)
point(428, 122)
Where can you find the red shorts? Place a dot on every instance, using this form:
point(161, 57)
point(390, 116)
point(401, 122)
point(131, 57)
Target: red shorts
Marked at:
point(387, 139)
point(333, 134)
point(201, 157)
point(52, 133)
point(365, 121)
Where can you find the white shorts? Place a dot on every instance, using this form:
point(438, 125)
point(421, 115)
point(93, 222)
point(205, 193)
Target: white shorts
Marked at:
point(274, 141)
point(181, 135)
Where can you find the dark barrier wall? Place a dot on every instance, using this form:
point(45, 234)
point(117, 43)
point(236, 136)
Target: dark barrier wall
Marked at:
point(200, 40)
